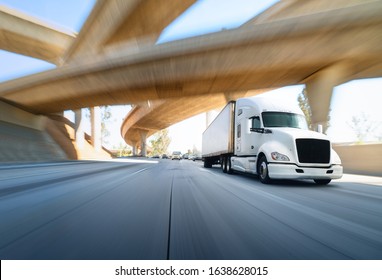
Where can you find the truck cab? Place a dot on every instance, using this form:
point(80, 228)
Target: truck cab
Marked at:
point(273, 141)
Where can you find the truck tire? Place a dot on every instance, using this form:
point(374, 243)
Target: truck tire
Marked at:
point(229, 166)
point(207, 163)
point(262, 170)
point(322, 181)
point(224, 164)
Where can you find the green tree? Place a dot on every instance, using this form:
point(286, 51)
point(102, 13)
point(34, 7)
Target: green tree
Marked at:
point(105, 117)
point(364, 128)
point(195, 150)
point(160, 142)
point(303, 102)
point(123, 150)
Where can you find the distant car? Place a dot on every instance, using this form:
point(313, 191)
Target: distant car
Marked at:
point(192, 157)
point(164, 156)
point(197, 157)
point(155, 156)
point(185, 156)
point(176, 155)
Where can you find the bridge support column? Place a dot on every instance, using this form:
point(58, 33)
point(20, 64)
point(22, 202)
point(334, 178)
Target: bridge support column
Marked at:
point(134, 149)
point(95, 113)
point(60, 114)
point(229, 96)
point(143, 134)
point(79, 132)
point(319, 89)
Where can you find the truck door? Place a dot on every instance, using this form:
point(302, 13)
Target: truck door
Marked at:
point(256, 137)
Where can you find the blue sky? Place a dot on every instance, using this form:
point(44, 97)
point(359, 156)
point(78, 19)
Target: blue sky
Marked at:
point(213, 15)
point(204, 16)
point(68, 15)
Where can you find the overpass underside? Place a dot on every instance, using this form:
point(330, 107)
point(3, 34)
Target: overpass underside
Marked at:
point(104, 30)
point(319, 49)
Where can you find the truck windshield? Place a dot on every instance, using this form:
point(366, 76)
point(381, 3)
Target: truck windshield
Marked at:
point(282, 119)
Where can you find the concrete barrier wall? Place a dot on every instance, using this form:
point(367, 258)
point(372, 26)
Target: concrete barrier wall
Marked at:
point(13, 115)
point(28, 137)
point(363, 159)
point(23, 137)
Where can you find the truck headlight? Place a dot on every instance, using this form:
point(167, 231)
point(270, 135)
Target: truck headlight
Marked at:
point(280, 157)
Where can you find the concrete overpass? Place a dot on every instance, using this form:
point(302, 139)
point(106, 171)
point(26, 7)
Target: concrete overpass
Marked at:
point(23, 34)
point(151, 116)
point(103, 31)
point(252, 57)
point(320, 43)
point(290, 43)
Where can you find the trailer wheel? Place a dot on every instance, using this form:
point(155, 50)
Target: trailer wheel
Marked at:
point(224, 164)
point(263, 170)
point(207, 163)
point(229, 166)
point(322, 181)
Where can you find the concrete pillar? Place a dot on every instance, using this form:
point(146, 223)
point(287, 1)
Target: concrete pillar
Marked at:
point(230, 96)
point(143, 134)
point(95, 116)
point(134, 149)
point(319, 89)
point(60, 114)
point(79, 131)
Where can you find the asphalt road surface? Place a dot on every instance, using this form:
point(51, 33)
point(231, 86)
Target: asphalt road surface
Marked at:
point(179, 210)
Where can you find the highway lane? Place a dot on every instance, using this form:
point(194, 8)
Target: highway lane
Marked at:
point(179, 210)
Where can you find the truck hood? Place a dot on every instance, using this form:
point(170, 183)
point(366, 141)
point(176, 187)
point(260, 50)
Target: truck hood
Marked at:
point(295, 133)
point(286, 138)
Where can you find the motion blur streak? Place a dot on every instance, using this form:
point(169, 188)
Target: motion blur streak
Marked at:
point(122, 210)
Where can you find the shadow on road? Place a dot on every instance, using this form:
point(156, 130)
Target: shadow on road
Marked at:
point(279, 183)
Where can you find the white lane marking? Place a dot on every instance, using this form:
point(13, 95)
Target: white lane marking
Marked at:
point(206, 170)
point(136, 172)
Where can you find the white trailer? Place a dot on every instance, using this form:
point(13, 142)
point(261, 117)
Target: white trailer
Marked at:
point(261, 136)
point(218, 138)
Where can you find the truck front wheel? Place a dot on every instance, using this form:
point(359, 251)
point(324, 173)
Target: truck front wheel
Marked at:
point(322, 181)
point(262, 170)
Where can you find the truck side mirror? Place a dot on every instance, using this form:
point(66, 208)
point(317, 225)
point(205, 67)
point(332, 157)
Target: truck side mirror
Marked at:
point(255, 123)
point(261, 130)
point(258, 130)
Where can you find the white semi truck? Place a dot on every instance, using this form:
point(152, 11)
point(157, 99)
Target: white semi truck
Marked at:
point(261, 136)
